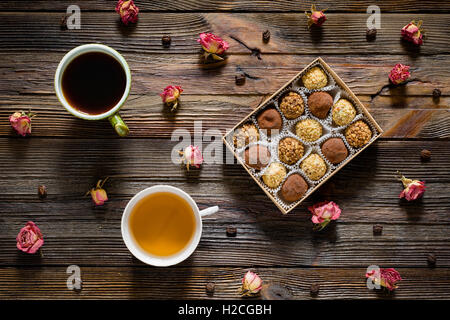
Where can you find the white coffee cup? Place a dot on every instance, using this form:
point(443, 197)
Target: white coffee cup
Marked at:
point(160, 261)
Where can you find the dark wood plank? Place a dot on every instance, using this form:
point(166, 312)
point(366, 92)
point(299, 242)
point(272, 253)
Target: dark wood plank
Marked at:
point(189, 283)
point(41, 31)
point(238, 5)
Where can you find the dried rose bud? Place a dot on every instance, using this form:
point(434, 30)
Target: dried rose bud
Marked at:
point(213, 45)
point(170, 96)
point(413, 33)
point(21, 122)
point(425, 155)
point(399, 74)
point(414, 189)
point(431, 260)
point(323, 213)
point(436, 93)
point(98, 194)
point(251, 284)
point(316, 17)
point(42, 192)
point(314, 290)
point(210, 287)
point(30, 238)
point(266, 36)
point(239, 79)
point(166, 41)
point(377, 229)
point(371, 34)
point(386, 278)
point(128, 11)
point(191, 156)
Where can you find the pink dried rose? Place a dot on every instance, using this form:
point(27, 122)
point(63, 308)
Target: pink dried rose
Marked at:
point(399, 74)
point(128, 11)
point(251, 284)
point(386, 278)
point(414, 189)
point(98, 194)
point(21, 122)
point(213, 45)
point(30, 238)
point(191, 156)
point(323, 213)
point(413, 33)
point(316, 17)
point(170, 96)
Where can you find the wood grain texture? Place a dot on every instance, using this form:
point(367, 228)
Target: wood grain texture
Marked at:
point(189, 283)
point(41, 31)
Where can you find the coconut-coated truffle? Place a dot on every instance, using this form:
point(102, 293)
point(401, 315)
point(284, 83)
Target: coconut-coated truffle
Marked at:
point(257, 157)
point(314, 166)
point(309, 130)
point(343, 112)
point(315, 78)
point(245, 134)
point(270, 119)
point(358, 134)
point(334, 150)
point(292, 105)
point(274, 175)
point(290, 150)
point(320, 103)
point(293, 188)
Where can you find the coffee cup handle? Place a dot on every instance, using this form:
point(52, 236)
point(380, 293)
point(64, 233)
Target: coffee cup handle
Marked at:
point(209, 211)
point(118, 125)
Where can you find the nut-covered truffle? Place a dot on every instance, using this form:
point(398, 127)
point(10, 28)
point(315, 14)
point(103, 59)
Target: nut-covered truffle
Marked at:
point(320, 103)
point(314, 167)
point(257, 157)
point(334, 150)
point(292, 105)
point(315, 78)
point(343, 112)
point(290, 150)
point(270, 119)
point(308, 129)
point(358, 134)
point(245, 134)
point(293, 188)
point(274, 175)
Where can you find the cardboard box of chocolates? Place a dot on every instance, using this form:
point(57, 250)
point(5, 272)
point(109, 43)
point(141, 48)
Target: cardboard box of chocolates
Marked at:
point(302, 135)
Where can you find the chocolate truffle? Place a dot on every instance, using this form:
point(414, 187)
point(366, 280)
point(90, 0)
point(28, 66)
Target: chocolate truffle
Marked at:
point(290, 150)
point(245, 134)
point(309, 130)
point(343, 112)
point(315, 78)
point(320, 103)
point(292, 105)
point(257, 157)
point(274, 175)
point(334, 150)
point(293, 188)
point(314, 167)
point(270, 119)
point(358, 134)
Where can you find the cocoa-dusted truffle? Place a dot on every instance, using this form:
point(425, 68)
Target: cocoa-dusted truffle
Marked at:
point(292, 105)
point(257, 157)
point(245, 134)
point(293, 188)
point(270, 119)
point(343, 112)
point(315, 78)
point(334, 150)
point(358, 134)
point(320, 103)
point(274, 174)
point(290, 150)
point(308, 129)
point(314, 166)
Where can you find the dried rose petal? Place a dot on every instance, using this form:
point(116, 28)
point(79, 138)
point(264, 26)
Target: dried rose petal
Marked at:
point(30, 238)
point(98, 194)
point(21, 122)
point(213, 45)
point(170, 96)
point(251, 284)
point(128, 11)
point(316, 17)
point(413, 33)
point(399, 74)
point(323, 213)
point(386, 278)
point(191, 156)
point(414, 189)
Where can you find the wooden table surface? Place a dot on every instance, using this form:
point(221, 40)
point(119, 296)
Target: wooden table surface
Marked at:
point(69, 155)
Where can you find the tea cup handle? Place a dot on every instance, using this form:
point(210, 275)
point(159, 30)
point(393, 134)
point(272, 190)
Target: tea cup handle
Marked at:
point(209, 211)
point(118, 125)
